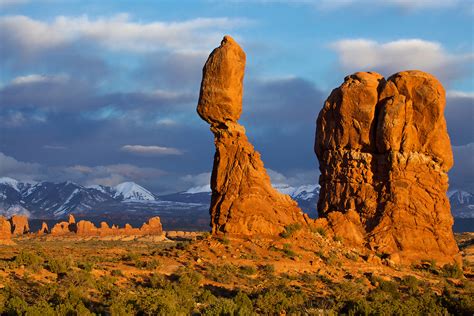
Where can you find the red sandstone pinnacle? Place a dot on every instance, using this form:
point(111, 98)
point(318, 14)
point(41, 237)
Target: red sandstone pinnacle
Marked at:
point(384, 153)
point(19, 224)
point(5, 228)
point(152, 227)
point(243, 200)
point(44, 229)
point(86, 228)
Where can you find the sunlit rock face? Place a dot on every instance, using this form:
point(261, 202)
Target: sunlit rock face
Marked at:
point(384, 154)
point(243, 199)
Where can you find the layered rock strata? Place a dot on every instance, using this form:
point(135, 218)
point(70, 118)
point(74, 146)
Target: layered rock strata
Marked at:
point(384, 154)
point(243, 200)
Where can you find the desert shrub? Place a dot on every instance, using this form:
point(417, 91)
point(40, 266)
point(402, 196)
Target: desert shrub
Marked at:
point(116, 273)
point(131, 257)
point(157, 281)
point(288, 251)
point(338, 238)
point(224, 240)
point(244, 304)
point(28, 260)
point(147, 264)
point(58, 266)
point(351, 256)
point(86, 266)
point(458, 304)
point(274, 301)
point(161, 302)
point(220, 306)
point(452, 271)
point(290, 230)
point(411, 284)
point(221, 273)
point(267, 268)
point(248, 270)
point(183, 245)
point(122, 306)
point(320, 231)
point(205, 235)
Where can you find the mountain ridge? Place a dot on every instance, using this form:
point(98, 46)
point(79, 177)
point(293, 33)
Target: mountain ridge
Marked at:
point(57, 200)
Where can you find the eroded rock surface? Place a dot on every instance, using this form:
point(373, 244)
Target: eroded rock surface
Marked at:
point(152, 227)
point(243, 200)
point(5, 228)
point(384, 153)
point(19, 225)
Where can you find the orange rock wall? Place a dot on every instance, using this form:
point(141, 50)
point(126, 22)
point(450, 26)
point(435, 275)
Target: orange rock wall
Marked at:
point(384, 153)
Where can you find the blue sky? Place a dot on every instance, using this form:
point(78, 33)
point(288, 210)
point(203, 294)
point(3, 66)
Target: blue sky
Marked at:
point(105, 91)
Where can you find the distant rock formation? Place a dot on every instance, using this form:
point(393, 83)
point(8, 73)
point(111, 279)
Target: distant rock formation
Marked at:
point(5, 228)
point(19, 225)
point(243, 200)
point(44, 229)
point(152, 227)
point(384, 153)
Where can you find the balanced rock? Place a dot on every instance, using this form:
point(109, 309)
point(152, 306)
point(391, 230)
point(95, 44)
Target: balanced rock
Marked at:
point(384, 154)
point(19, 224)
point(5, 228)
point(243, 200)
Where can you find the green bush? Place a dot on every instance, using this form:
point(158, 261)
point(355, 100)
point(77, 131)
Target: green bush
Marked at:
point(29, 260)
point(452, 271)
point(320, 231)
point(290, 230)
point(267, 268)
point(116, 272)
point(248, 270)
point(58, 266)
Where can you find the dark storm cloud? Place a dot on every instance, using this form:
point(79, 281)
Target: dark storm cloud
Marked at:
point(462, 174)
point(459, 114)
point(172, 70)
point(280, 118)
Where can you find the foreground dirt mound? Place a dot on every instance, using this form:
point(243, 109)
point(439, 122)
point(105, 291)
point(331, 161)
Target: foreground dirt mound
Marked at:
point(243, 199)
point(384, 153)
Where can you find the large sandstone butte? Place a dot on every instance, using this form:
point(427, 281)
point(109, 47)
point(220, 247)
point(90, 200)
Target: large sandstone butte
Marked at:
point(243, 200)
point(384, 154)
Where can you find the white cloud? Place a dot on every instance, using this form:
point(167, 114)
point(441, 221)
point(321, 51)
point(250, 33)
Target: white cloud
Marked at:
point(460, 94)
point(110, 174)
point(10, 167)
point(36, 78)
point(85, 175)
point(200, 179)
point(404, 54)
point(118, 32)
point(295, 178)
point(151, 150)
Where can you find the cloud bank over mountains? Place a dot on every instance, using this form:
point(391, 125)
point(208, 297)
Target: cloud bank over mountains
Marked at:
point(110, 97)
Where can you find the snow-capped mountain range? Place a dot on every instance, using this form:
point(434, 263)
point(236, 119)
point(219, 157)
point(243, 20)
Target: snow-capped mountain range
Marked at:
point(48, 200)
